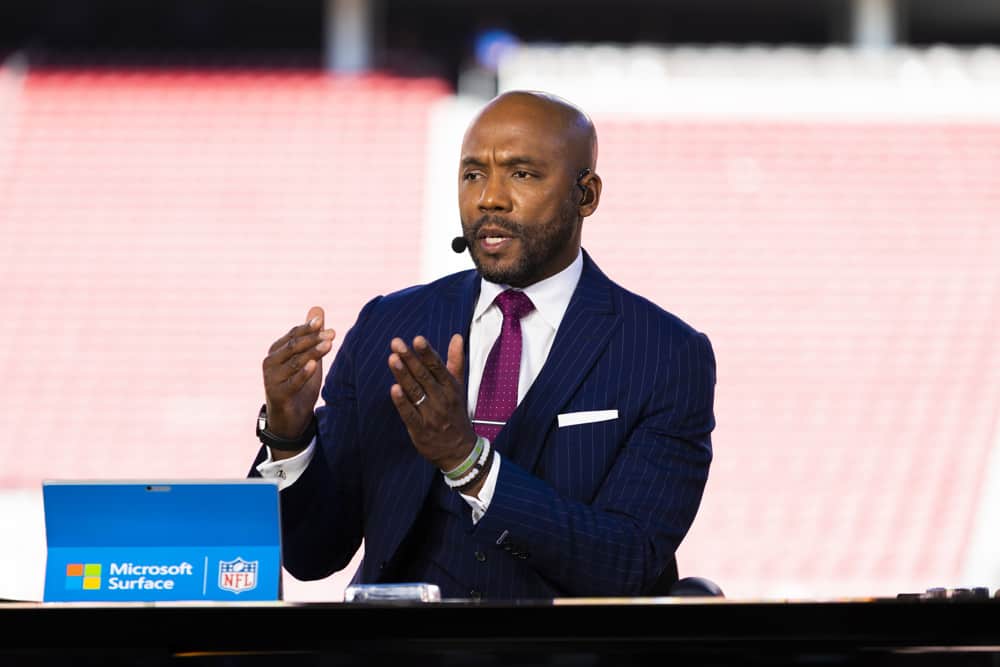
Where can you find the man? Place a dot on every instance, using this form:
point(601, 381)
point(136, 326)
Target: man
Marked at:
point(559, 448)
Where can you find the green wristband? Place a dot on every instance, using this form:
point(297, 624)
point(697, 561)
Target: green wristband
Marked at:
point(467, 464)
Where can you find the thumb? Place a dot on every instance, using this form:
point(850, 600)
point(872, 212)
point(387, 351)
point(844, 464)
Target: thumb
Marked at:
point(456, 358)
point(316, 312)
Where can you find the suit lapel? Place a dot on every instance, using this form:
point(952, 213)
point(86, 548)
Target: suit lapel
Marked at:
point(451, 313)
point(584, 332)
point(448, 313)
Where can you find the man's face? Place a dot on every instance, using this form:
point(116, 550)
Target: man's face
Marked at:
point(516, 190)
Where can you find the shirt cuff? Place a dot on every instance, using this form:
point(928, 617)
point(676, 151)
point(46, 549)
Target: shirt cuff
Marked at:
point(286, 471)
point(482, 503)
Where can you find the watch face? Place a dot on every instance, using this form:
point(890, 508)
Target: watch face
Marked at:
point(262, 418)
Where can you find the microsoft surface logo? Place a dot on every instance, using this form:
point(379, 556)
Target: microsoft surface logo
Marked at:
point(83, 577)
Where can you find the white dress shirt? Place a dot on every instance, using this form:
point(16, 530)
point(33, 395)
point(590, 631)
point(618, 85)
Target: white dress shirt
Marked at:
point(538, 329)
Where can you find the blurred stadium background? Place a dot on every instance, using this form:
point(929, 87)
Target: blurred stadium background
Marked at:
point(816, 185)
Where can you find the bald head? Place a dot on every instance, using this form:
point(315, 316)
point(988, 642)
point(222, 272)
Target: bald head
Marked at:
point(552, 116)
point(527, 179)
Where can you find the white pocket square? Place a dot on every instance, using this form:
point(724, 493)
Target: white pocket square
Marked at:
point(586, 417)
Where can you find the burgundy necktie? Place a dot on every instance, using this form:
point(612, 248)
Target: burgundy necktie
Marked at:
point(498, 388)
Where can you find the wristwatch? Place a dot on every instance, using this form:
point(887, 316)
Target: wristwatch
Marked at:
point(276, 441)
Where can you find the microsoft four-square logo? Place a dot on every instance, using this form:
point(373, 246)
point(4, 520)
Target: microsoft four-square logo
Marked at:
point(83, 577)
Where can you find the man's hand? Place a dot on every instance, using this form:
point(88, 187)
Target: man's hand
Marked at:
point(430, 398)
point(293, 374)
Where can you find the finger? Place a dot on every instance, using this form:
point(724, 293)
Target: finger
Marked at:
point(418, 371)
point(295, 345)
point(301, 376)
point(405, 408)
point(410, 387)
point(281, 372)
point(293, 333)
point(456, 358)
point(314, 322)
point(428, 356)
point(315, 318)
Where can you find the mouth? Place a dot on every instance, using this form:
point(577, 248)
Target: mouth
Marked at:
point(494, 243)
point(493, 240)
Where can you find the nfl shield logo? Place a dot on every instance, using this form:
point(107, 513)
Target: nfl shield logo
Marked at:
point(238, 575)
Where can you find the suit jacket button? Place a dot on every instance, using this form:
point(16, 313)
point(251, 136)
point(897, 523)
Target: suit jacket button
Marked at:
point(480, 556)
point(523, 555)
point(475, 595)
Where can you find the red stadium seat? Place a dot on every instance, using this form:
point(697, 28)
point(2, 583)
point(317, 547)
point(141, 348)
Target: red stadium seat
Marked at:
point(848, 276)
point(161, 228)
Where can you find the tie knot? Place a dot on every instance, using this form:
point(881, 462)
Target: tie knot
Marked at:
point(514, 304)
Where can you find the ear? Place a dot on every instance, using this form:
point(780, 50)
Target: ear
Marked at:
point(590, 185)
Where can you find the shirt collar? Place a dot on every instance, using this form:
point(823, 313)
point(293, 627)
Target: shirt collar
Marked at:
point(550, 296)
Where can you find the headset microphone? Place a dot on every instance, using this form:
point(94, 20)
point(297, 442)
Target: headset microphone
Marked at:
point(459, 244)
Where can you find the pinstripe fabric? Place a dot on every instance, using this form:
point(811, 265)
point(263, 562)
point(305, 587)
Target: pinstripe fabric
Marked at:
point(589, 509)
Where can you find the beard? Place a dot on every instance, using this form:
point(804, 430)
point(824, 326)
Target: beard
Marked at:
point(540, 245)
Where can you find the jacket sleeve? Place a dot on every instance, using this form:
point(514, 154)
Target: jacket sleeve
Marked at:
point(321, 512)
point(619, 543)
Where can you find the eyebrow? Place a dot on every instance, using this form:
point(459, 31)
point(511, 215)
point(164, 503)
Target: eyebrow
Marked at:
point(512, 161)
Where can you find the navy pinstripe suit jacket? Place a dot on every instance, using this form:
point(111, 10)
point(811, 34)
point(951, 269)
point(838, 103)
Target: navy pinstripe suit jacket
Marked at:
point(600, 507)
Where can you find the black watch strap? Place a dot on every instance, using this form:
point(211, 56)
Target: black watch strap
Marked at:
point(277, 442)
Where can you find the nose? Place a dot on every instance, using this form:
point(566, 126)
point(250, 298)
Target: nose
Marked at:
point(494, 195)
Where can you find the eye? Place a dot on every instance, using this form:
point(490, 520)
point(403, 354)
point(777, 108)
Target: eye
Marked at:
point(471, 176)
point(522, 174)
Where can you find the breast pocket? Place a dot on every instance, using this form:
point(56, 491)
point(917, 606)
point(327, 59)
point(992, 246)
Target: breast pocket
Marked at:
point(583, 449)
point(585, 417)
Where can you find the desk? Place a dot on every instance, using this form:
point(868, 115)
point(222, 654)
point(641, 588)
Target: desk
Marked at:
point(565, 632)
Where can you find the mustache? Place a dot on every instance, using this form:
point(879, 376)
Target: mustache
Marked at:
point(509, 226)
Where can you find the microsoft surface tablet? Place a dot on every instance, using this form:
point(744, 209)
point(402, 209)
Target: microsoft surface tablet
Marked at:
point(128, 541)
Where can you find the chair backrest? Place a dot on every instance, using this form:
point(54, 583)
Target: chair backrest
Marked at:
point(696, 587)
point(670, 585)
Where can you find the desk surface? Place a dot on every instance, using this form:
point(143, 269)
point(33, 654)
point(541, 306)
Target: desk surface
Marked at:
point(563, 631)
